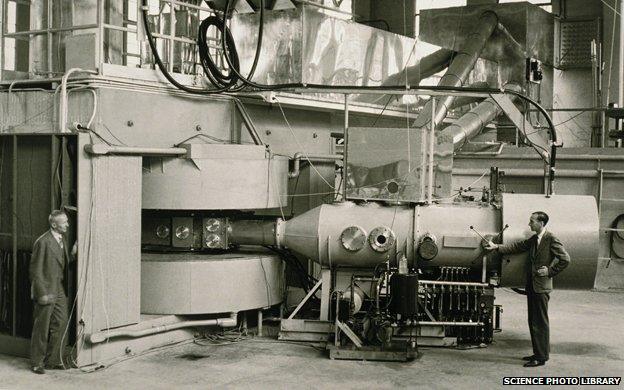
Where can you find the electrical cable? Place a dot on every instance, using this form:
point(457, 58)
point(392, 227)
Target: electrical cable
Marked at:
point(162, 67)
point(216, 77)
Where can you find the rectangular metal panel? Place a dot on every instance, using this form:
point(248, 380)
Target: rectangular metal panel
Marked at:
point(461, 241)
point(306, 326)
point(574, 41)
point(115, 257)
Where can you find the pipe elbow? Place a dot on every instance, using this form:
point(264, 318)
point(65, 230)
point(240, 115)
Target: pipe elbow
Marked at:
point(229, 322)
point(296, 166)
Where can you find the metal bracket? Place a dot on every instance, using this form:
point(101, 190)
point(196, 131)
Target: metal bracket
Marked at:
point(307, 297)
point(510, 109)
point(352, 336)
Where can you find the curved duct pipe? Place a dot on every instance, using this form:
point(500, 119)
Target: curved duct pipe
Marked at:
point(227, 322)
point(459, 69)
point(426, 67)
point(471, 123)
point(461, 101)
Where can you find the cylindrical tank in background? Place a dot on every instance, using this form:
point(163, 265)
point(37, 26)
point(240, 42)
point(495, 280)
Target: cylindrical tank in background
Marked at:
point(38, 45)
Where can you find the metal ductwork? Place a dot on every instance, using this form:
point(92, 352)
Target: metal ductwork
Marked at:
point(459, 69)
point(426, 67)
point(471, 123)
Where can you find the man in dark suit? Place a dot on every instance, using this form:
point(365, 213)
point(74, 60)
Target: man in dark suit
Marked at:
point(547, 257)
point(49, 260)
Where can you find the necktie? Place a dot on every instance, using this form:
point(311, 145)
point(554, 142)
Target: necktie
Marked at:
point(60, 241)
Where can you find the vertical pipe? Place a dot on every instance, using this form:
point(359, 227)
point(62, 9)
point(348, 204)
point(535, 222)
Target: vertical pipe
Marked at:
point(345, 159)
point(484, 269)
point(2, 28)
point(621, 58)
point(430, 152)
point(14, 211)
point(53, 162)
point(423, 160)
point(49, 36)
point(595, 135)
point(325, 294)
point(100, 38)
point(37, 56)
point(600, 186)
point(172, 35)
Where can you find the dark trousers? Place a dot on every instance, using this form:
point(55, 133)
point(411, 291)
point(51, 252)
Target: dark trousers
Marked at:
point(538, 322)
point(49, 323)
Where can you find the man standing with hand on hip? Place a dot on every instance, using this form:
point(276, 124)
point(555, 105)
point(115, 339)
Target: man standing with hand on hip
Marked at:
point(547, 257)
point(50, 257)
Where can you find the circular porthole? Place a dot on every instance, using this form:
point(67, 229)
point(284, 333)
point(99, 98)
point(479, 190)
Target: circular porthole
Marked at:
point(353, 238)
point(381, 239)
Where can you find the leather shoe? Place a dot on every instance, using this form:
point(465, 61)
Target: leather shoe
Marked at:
point(37, 369)
point(529, 358)
point(534, 363)
point(54, 367)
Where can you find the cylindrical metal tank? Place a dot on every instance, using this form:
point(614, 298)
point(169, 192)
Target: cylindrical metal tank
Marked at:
point(363, 236)
point(449, 226)
point(573, 219)
point(190, 283)
point(350, 235)
point(38, 45)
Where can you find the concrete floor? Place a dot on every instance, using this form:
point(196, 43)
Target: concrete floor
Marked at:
point(587, 339)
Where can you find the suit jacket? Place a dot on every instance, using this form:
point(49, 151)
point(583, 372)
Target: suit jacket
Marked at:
point(47, 266)
point(550, 254)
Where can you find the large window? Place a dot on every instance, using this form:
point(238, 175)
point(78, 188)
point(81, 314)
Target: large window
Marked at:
point(37, 34)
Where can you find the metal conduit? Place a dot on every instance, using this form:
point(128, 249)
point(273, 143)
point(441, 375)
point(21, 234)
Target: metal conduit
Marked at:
point(519, 172)
point(566, 157)
point(227, 322)
point(310, 157)
point(103, 149)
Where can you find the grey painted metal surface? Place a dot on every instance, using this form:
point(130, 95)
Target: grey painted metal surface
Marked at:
point(113, 244)
point(581, 171)
point(449, 225)
point(251, 178)
point(198, 284)
point(573, 219)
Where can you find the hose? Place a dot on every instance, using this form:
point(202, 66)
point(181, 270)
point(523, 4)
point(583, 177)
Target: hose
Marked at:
point(163, 68)
point(212, 71)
